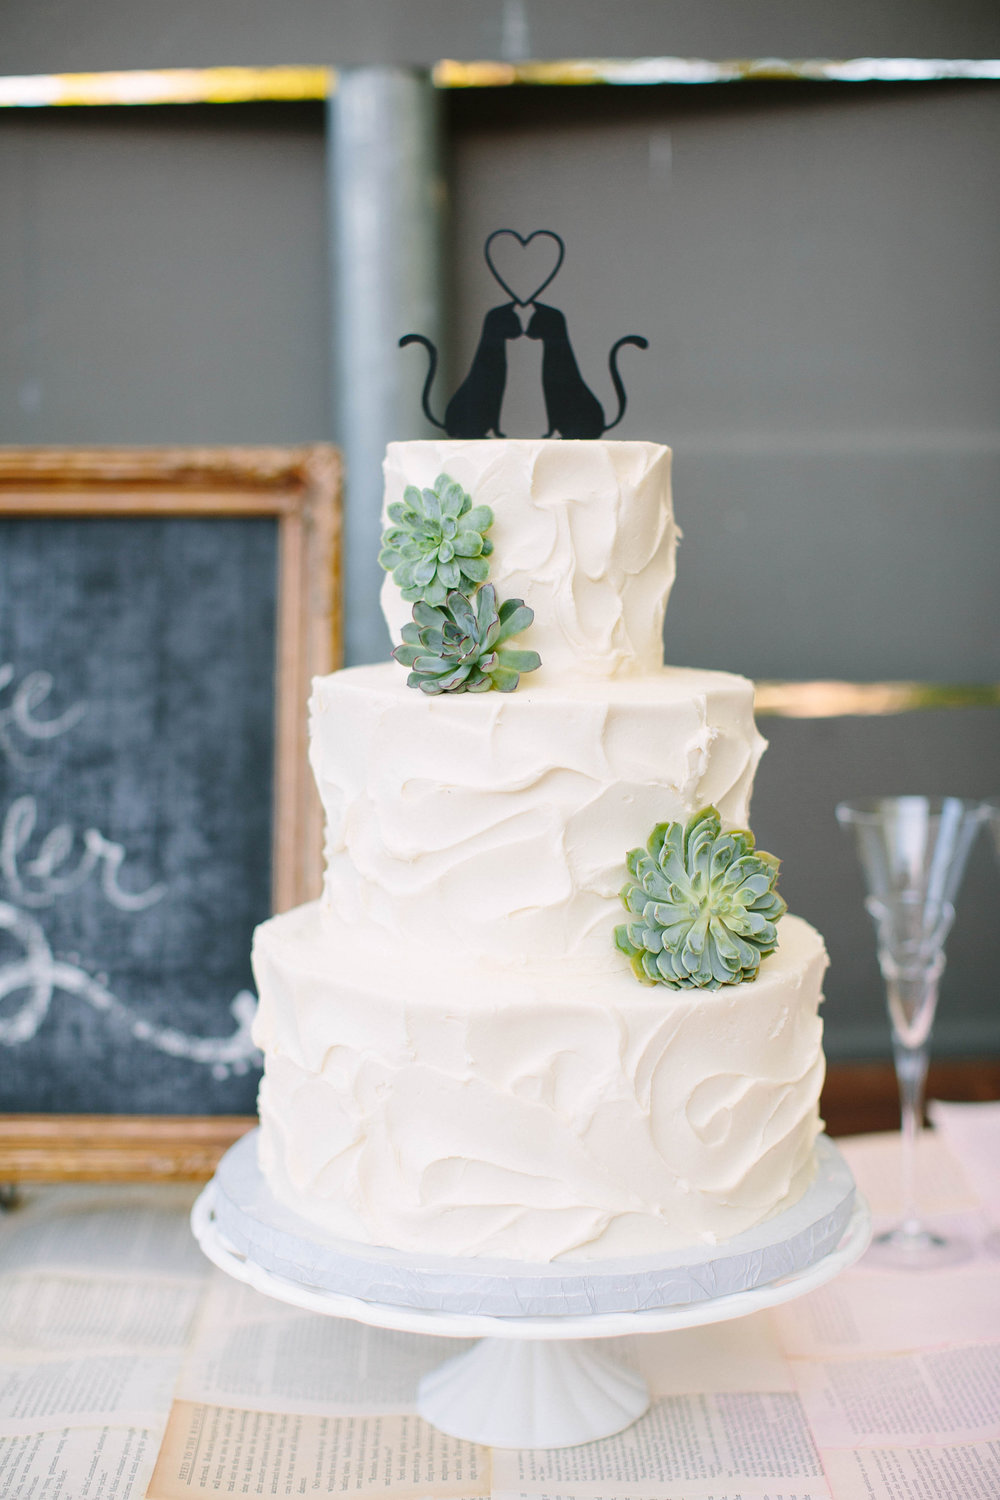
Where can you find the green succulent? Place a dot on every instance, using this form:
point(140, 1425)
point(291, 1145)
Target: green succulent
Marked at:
point(702, 905)
point(458, 647)
point(437, 541)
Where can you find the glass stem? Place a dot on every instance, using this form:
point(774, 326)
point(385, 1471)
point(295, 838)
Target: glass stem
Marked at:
point(912, 992)
point(911, 1073)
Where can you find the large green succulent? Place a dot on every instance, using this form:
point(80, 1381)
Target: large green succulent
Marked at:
point(702, 906)
point(458, 647)
point(437, 541)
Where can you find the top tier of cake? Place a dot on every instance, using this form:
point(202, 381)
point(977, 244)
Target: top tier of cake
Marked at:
point(583, 532)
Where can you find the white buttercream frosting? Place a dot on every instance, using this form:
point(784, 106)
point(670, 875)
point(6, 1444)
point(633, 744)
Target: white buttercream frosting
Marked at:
point(409, 1102)
point(511, 814)
point(583, 531)
point(457, 1058)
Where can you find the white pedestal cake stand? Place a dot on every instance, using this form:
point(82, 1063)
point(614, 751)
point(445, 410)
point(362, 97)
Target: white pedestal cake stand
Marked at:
point(530, 1381)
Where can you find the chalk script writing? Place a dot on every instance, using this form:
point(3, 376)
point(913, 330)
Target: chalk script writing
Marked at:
point(39, 974)
point(17, 720)
point(42, 880)
point(59, 866)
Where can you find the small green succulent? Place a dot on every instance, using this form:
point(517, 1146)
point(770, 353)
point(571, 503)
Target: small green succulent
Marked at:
point(458, 647)
point(702, 906)
point(437, 541)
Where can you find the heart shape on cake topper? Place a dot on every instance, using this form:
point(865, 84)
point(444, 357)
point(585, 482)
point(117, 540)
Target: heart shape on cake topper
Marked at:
point(521, 265)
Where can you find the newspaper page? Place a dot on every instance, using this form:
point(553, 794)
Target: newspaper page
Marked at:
point(98, 1290)
point(972, 1134)
point(942, 1185)
point(210, 1450)
point(864, 1313)
point(254, 1352)
point(968, 1472)
point(128, 1367)
point(899, 1373)
point(290, 1402)
point(694, 1447)
point(275, 1400)
point(744, 1355)
point(917, 1425)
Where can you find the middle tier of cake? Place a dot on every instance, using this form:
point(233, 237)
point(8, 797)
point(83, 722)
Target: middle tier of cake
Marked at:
point(498, 824)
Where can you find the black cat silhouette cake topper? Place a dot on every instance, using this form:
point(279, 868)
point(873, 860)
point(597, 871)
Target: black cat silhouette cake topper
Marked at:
point(524, 265)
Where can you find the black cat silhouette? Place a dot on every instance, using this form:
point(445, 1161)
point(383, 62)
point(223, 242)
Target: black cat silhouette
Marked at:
point(474, 409)
point(571, 407)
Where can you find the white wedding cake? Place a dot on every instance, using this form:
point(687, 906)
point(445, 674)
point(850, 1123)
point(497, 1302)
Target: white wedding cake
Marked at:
point(460, 1058)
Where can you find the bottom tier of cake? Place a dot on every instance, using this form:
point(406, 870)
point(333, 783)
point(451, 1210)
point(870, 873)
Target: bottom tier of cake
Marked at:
point(530, 1116)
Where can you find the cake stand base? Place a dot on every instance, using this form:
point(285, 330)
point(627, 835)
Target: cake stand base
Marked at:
point(531, 1395)
point(532, 1380)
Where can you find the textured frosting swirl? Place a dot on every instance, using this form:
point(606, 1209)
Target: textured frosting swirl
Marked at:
point(499, 823)
point(458, 1061)
point(583, 532)
point(535, 1117)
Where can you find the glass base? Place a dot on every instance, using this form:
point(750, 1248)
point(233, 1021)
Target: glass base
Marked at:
point(916, 1249)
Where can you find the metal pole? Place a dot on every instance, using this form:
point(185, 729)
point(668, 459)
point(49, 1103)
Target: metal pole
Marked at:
point(386, 207)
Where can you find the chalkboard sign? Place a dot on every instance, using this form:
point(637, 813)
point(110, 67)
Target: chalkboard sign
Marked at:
point(161, 615)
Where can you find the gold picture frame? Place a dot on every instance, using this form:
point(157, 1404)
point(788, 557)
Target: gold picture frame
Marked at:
point(301, 489)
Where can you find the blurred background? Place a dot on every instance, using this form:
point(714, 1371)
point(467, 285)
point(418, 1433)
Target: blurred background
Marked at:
point(812, 251)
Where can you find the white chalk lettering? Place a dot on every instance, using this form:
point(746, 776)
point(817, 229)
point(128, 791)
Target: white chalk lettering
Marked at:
point(60, 862)
point(41, 881)
point(39, 975)
point(17, 720)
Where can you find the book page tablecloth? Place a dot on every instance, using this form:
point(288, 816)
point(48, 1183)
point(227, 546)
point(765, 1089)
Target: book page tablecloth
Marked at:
point(129, 1367)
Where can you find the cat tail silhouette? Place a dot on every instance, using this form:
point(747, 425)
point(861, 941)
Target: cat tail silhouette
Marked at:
point(425, 394)
point(616, 380)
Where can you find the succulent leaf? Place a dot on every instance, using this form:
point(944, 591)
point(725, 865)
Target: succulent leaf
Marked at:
point(520, 661)
point(453, 647)
point(468, 544)
point(514, 617)
point(479, 518)
point(703, 905)
point(436, 541)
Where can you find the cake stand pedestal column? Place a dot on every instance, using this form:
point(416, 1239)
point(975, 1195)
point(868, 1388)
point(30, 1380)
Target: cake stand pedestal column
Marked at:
point(531, 1395)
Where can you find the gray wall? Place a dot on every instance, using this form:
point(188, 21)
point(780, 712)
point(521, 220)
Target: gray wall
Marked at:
point(815, 267)
point(163, 276)
point(42, 36)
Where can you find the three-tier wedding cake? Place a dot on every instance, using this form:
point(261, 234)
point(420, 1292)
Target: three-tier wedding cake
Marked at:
point(482, 1040)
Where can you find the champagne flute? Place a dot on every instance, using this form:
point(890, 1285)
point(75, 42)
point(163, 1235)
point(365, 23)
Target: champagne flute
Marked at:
point(913, 852)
